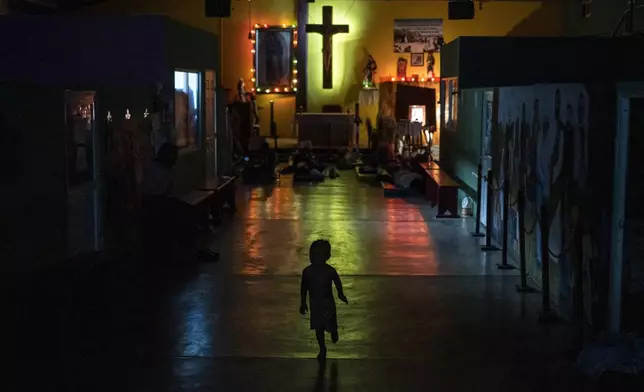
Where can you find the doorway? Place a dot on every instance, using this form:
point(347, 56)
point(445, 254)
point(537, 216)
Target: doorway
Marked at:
point(627, 268)
point(487, 116)
point(211, 124)
point(84, 180)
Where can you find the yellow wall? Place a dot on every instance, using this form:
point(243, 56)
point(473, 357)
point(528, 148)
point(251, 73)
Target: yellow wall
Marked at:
point(237, 59)
point(371, 25)
point(371, 31)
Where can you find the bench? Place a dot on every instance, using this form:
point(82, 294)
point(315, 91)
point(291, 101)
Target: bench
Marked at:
point(223, 190)
point(429, 166)
point(200, 201)
point(442, 190)
point(391, 190)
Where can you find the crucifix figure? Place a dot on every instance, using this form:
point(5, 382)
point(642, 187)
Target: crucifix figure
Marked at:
point(327, 29)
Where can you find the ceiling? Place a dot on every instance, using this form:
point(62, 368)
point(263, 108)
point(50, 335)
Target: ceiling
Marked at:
point(48, 6)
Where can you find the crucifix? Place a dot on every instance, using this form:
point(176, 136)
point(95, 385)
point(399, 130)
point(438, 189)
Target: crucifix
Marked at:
point(327, 29)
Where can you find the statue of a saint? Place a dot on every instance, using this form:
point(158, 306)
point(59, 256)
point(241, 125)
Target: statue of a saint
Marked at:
point(431, 61)
point(369, 71)
point(241, 92)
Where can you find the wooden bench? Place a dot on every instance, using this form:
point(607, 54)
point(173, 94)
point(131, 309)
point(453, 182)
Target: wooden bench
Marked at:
point(442, 190)
point(429, 166)
point(200, 201)
point(223, 190)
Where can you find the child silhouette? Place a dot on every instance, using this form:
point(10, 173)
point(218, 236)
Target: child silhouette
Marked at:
point(316, 280)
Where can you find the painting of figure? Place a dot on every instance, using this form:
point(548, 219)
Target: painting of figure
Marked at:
point(273, 57)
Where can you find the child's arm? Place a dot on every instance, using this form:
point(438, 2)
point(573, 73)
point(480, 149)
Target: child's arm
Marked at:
point(303, 290)
point(338, 286)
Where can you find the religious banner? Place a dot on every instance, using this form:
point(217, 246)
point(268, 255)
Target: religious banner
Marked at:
point(274, 55)
point(418, 35)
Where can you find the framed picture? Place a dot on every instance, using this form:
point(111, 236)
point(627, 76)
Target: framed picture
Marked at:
point(401, 68)
point(274, 57)
point(417, 59)
point(418, 35)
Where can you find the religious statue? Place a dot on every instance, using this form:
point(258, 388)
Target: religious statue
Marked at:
point(369, 71)
point(431, 61)
point(255, 114)
point(401, 69)
point(241, 92)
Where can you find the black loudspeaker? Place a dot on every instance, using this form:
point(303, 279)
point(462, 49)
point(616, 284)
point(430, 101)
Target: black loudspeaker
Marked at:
point(460, 9)
point(218, 8)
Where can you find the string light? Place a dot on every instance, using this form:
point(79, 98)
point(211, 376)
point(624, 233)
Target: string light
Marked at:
point(414, 80)
point(252, 37)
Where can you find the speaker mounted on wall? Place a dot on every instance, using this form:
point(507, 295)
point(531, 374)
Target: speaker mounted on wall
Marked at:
point(460, 9)
point(218, 8)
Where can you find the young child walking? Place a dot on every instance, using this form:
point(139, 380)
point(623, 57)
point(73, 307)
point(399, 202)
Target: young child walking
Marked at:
point(316, 280)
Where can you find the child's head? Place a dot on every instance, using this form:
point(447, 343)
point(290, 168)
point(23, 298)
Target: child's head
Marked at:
point(320, 251)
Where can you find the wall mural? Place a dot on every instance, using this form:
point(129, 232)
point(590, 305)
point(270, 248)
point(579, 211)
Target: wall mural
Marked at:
point(418, 35)
point(544, 129)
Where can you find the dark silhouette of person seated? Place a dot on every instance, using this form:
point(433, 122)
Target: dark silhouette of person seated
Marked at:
point(166, 220)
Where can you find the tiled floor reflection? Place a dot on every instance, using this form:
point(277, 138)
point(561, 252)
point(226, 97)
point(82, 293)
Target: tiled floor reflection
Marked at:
point(370, 234)
point(428, 311)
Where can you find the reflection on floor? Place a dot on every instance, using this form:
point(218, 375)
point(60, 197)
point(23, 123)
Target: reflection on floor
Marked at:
point(428, 311)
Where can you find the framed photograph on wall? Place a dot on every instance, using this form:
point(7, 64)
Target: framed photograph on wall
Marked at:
point(417, 59)
point(274, 59)
point(418, 35)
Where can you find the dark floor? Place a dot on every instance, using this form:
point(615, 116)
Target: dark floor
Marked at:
point(428, 311)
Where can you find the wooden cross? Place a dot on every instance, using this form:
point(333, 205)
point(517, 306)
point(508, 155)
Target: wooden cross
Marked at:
point(327, 29)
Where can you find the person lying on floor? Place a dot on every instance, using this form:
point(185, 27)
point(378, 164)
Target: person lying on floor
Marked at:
point(406, 177)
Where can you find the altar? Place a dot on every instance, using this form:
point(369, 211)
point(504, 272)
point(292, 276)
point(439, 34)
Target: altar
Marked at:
point(326, 130)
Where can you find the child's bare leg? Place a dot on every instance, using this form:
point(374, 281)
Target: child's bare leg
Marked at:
point(319, 335)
